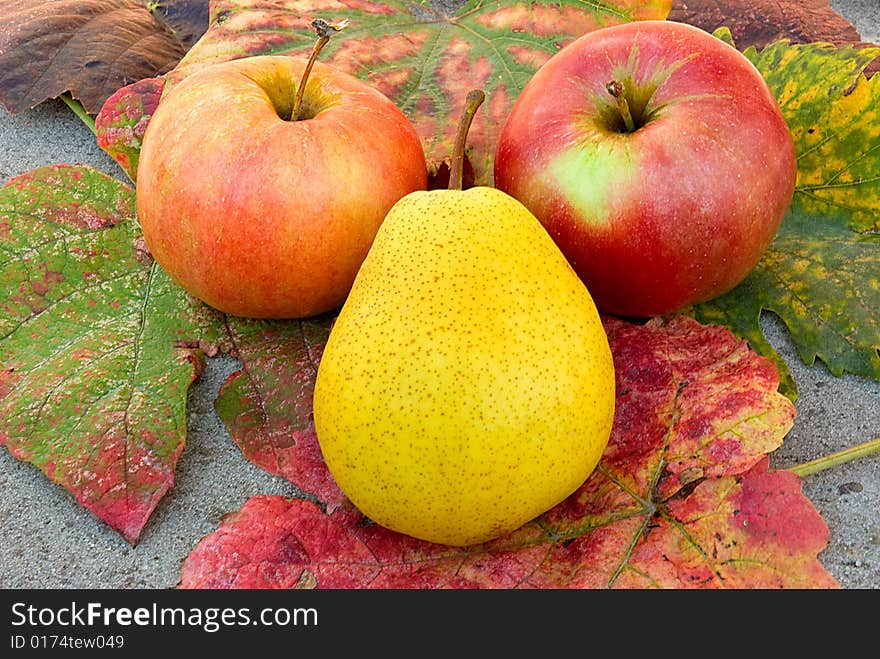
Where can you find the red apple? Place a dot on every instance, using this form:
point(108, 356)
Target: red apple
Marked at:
point(679, 207)
point(262, 216)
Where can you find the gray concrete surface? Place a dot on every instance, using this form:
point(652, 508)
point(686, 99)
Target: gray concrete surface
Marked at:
point(864, 14)
point(48, 541)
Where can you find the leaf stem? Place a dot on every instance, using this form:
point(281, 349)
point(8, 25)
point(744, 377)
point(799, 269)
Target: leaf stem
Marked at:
point(838, 458)
point(474, 99)
point(79, 111)
point(616, 89)
point(324, 30)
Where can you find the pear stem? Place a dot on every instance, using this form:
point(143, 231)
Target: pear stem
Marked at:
point(474, 99)
point(616, 89)
point(839, 458)
point(324, 30)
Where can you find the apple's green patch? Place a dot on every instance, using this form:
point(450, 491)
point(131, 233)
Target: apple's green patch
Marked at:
point(604, 166)
point(821, 275)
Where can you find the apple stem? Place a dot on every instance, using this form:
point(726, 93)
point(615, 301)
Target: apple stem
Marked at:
point(616, 89)
point(324, 30)
point(474, 99)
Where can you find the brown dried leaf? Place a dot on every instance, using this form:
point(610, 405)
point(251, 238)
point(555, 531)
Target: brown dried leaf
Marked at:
point(761, 22)
point(89, 48)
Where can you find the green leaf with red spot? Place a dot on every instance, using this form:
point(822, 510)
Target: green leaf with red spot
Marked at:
point(93, 375)
point(123, 119)
point(821, 275)
point(267, 405)
point(423, 58)
point(681, 498)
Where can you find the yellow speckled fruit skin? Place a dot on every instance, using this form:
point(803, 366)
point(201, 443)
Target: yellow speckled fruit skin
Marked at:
point(467, 385)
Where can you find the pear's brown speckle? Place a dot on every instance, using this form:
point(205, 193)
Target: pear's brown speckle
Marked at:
point(467, 385)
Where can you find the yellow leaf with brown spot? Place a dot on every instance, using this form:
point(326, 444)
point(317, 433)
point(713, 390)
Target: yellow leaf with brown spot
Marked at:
point(821, 275)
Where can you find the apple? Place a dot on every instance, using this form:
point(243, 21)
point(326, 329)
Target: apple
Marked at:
point(265, 215)
point(656, 157)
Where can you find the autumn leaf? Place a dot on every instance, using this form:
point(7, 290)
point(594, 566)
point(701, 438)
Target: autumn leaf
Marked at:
point(768, 536)
point(682, 498)
point(92, 379)
point(757, 530)
point(90, 48)
point(267, 404)
point(821, 275)
point(420, 56)
point(187, 19)
point(759, 23)
point(692, 402)
point(98, 348)
point(123, 119)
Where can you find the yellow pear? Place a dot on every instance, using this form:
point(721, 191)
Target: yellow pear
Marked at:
point(467, 385)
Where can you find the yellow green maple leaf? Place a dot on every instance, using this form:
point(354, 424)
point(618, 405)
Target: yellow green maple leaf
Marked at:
point(821, 275)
